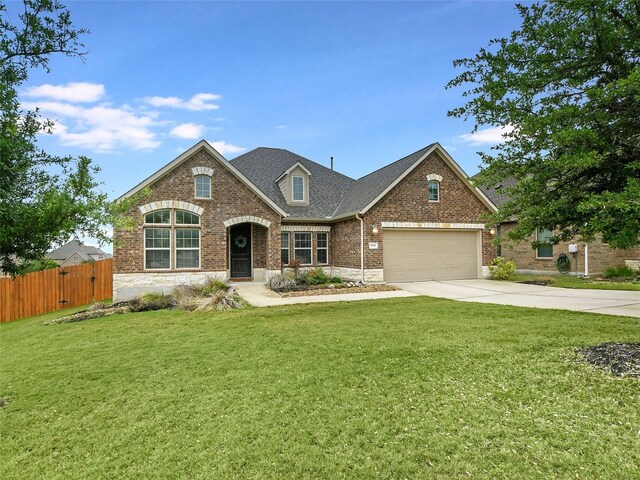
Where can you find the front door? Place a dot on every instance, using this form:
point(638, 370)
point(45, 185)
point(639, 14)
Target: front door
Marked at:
point(240, 249)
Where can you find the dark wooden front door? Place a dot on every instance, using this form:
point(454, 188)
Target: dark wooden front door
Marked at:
point(240, 248)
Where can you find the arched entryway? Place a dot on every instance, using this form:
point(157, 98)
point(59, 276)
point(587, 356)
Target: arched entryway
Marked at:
point(247, 247)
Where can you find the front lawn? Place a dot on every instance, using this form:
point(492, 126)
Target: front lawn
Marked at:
point(398, 388)
point(571, 281)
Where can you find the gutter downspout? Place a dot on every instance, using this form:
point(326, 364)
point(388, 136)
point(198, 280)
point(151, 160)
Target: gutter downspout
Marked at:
point(361, 247)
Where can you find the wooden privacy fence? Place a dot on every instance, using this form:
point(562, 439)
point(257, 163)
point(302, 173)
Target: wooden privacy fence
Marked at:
point(55, 289)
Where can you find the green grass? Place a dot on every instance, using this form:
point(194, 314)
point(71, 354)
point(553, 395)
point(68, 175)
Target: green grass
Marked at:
point(399, 388)
point(571, 281)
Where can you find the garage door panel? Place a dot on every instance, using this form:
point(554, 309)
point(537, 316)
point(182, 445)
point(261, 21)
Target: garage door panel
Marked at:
point(414, 255)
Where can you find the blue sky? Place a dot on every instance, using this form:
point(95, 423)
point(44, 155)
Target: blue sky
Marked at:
point(362, 82)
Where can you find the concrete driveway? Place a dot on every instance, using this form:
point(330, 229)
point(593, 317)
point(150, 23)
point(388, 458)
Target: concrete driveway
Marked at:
point(612, 302)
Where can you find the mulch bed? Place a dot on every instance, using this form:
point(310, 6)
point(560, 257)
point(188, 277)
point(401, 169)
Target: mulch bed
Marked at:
point(620, 359)
point(324, 290)
point(542, 283)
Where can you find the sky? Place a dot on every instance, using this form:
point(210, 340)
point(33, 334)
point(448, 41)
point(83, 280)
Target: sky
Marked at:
point(363, 82)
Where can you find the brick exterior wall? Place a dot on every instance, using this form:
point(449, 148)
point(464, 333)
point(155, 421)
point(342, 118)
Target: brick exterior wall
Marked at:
point(259, 236)
point(229, 198)
point(346, 244)
point(408, 202)
point(601, 255)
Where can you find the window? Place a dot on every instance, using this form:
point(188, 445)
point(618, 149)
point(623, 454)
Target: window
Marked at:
point(298, 189)
point(186, 218)
point(302, 247)
point(544, 251)
point(322, 247)
point(434, 191)
point(284, 248)
point(203, 186)
point(187, 248)
point(158, 217)
point(157, 248)
point(157, 241)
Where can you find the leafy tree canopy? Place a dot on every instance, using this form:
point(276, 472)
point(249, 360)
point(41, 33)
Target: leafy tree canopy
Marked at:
point(44, 199)
point(566, 86)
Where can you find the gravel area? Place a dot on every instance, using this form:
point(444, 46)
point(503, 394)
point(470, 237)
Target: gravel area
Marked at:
point(338, 290)
point(620, 359)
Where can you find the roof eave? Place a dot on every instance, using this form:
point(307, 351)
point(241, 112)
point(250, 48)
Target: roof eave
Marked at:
point(223, 161)
point(454, 166)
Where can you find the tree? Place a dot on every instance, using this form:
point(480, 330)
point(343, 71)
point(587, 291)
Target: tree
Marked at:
point(44, 199)
point(566, 87)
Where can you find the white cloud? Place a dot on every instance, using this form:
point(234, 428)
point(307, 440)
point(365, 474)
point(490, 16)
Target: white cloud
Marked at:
point(487, 136)
point(226, 148)
point(75, 92)
point(102, 127)
point(187, 130)
point(281, 127)
point(199, 102)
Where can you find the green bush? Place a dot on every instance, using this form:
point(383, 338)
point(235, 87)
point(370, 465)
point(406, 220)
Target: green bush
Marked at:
point(151, 301)
point(502, 269)
point(335, 280)
point(316, 276)
point(620, 271)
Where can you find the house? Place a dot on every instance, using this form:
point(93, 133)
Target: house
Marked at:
point(418, 218)
point(75, 253)
point(590, 259)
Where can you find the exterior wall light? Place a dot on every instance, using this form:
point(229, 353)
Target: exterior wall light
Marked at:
point(374, 228)
point(492, 231)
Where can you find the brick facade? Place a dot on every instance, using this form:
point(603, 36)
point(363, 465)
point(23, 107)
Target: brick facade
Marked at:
point(230, 198)
point(407, 202)
point(601, 255)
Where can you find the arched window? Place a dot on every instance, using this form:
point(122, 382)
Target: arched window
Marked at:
point(434, 191)
point(167, 227)
point(203, 186)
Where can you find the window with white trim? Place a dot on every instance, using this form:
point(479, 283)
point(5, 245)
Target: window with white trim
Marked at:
point(544, 251)
point(284, 248)
point(434, 191)
point(203, 186)
point(180, 225)
point(187, 248)
point(297, 189)
point(322, 248)
point(157, 248)
point(302, 247)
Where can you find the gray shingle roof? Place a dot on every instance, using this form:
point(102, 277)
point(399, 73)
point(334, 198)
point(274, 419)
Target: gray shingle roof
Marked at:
point(331, 193)
point(63, 252)
point(367, 188)
point(326, 187)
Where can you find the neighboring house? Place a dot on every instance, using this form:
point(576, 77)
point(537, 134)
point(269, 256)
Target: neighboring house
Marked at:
point(591, 259)
point(418, 218)
point(74, 253)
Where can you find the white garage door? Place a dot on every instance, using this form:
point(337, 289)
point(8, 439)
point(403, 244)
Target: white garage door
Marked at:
point(416, 255)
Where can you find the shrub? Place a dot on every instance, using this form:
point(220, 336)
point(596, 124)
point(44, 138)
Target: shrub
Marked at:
point(620, 271)
point(281, 282)
point(502, 269)
point(151, 301)
point(335, 280)
point(212, 295)
point(316, 276)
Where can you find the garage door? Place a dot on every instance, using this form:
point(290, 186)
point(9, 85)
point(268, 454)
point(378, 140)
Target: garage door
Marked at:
point(415, 255)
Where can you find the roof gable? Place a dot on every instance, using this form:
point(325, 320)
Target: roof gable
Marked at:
point(203, 144)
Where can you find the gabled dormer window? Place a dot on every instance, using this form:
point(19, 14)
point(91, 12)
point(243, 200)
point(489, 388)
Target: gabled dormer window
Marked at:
point(297, 187)
point(294, 184)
